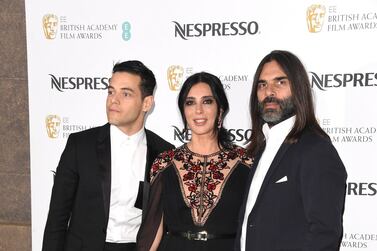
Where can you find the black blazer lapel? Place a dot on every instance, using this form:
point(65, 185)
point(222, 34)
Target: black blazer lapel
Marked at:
point(275, 162)
point(104, 158)
point(143, 192)
point(241, 213)
point(248, 183)
point(152, 154)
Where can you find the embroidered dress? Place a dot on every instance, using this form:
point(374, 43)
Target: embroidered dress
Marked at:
point(194, 192)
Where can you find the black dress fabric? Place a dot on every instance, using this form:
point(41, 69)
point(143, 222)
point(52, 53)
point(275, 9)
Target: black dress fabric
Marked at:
point(194, 192)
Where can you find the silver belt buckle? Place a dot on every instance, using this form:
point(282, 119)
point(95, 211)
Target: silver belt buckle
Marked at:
point(201, 236)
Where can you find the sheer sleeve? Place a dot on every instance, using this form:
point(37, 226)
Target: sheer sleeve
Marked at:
point(149, 226)
point(151, 223)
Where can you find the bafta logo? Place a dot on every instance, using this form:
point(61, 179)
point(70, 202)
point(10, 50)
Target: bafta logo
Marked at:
point(175, 77)
point(50, 25)
point(315, 16)
point(53, 126)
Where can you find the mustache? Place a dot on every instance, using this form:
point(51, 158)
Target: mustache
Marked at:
point(271, 99)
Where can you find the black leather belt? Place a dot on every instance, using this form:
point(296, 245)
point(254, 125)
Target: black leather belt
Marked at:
point(201, 236)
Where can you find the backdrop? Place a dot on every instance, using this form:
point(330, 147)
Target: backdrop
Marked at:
point(72, 46)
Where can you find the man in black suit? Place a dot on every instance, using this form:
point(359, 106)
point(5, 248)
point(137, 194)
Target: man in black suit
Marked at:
point(101, 181)
point(295, 200)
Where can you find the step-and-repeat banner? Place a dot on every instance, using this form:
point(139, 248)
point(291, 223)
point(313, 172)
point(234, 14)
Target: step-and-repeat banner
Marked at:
point(72, 46)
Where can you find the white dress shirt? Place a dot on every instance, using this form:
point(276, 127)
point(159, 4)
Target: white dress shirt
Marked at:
point(274, 136)
point(128, 160)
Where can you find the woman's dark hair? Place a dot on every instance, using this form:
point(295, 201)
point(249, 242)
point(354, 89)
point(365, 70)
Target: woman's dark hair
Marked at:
point(218, 92)
point(301, 96)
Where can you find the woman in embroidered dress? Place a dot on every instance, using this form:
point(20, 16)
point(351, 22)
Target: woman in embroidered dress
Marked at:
point(197, 189)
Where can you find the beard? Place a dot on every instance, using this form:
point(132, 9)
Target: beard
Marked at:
point(275, 116)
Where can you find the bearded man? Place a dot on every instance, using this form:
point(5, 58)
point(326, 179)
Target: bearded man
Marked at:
point(295, 199)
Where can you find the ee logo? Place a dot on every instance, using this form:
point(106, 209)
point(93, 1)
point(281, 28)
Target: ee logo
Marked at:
point(126, 28)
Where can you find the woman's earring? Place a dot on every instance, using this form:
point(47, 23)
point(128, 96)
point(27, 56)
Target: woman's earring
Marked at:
point(219, 122)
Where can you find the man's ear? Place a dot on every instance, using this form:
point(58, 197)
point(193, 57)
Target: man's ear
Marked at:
point(148, 103)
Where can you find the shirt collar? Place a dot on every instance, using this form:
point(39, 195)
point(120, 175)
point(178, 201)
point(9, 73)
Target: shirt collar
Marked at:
point(119, 137)
point(280, 130)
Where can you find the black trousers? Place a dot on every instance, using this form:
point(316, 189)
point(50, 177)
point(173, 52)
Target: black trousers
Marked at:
point(119, 246)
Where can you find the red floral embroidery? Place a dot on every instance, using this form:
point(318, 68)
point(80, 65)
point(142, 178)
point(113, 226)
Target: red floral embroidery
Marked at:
point(211, 186)
point(218, 175)
point(192, 188)
point(201, 176)
point(188, 176)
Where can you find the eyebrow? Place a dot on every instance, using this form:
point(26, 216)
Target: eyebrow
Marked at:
point(123, 88)
point(277, 78)
point(189, 97)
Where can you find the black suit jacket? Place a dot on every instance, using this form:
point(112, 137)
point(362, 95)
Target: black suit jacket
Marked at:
point(80, 200)
point(305, 211)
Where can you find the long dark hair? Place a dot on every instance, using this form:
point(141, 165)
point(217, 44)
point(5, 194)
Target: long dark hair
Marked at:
point(301, 96)
point(218, 92)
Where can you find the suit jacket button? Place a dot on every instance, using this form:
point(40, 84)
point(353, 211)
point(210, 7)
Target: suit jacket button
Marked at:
point(251, 225)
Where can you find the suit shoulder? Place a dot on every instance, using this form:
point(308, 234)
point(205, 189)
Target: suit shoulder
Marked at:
point(156, 140)
point(91, 132)
point(314, 146)
point(313, 139)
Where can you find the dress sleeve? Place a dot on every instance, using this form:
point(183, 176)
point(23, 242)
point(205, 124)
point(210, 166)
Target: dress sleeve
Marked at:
point(154, 211)
point(149, 226)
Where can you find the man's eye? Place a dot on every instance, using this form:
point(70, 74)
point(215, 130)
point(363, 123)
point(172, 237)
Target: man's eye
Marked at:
point(262, 85)
point(282, 81)
point(109, 92)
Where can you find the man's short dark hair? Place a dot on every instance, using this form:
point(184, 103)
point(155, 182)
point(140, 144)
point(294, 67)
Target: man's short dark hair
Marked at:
point(148, 81)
